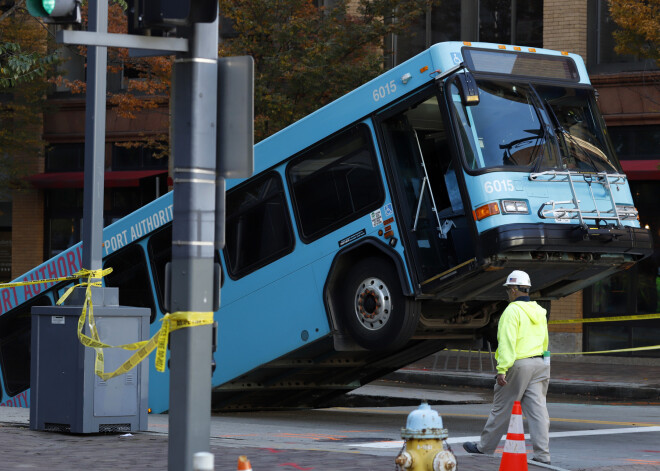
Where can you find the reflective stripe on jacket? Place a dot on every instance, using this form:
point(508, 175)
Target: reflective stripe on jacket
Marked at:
point(522, 333)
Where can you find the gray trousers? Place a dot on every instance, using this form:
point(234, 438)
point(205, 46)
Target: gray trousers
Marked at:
point(527, 382)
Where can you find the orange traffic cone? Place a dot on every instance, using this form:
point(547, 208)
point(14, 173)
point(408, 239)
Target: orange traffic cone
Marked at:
point(244, 464)
point(514, 457)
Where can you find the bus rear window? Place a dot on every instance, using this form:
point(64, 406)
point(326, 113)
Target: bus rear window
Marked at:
point(160, 253)
point(258, 228)
point(335, 183)
point(130, 275)
point(15, 341)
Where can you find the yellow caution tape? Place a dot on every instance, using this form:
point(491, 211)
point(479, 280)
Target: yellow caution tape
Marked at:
point(76, 276)
point(637, 317)
point(171, 322)
point(633, 349)
point(621, 350)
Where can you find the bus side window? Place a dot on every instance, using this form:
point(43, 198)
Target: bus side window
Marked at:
point(15, 345)
point(130, 275)
point(335, 182)
point(159, 249)
point(258, 228)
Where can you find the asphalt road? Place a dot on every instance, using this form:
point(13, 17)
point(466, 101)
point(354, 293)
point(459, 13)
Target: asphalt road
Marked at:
point(583, 437)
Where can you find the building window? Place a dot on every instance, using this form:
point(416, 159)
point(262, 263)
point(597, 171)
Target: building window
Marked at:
point(601, 57)
point(135, 158)
point(65, 210)
point(634, 291)
point(437, 25)
point(511, 22)
point(636, 142)
point(496, 21)
point(335, 183)
point(258, 228)
point(69, 157)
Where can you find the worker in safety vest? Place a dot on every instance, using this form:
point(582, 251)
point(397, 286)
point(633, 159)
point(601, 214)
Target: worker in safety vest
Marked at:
point(522, 373)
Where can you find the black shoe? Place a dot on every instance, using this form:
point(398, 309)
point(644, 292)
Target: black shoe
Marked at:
point(539, 461)
point(471, 447)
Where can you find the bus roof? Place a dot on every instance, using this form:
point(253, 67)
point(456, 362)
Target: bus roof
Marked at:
point(374, 95)
point(352, 107)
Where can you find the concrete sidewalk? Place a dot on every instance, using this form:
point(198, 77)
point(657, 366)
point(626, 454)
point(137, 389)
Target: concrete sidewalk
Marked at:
point(586, 376)
point(22, 448)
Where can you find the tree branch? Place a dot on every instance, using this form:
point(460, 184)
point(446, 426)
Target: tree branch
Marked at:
point(9, 12)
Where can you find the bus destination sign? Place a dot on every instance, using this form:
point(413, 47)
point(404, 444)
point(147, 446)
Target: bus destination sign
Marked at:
point(521, 63)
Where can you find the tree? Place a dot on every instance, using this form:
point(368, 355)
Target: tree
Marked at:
point(24, 67)
point(148, 86)
point(17, 66)
point(639, 21)
point(306, 56)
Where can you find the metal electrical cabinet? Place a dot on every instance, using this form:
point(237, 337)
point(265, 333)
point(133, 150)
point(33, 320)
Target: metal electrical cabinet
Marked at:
point(66, 395)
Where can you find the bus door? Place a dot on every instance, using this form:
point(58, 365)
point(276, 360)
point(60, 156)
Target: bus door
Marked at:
point(434, 226)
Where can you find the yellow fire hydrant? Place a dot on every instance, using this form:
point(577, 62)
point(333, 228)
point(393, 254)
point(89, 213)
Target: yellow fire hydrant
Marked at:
point(423, 450)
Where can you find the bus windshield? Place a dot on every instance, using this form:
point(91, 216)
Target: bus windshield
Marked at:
point(521, 126)
point(580, 127)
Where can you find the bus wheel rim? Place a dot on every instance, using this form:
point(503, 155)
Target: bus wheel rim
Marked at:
point(373, 303)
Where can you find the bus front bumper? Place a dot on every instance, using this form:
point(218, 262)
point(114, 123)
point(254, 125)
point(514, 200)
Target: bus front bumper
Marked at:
point(567, 238)
point(560, 259)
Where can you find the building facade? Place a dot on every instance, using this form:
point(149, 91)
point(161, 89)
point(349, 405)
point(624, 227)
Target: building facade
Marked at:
point(629, 98)
point(46, 217)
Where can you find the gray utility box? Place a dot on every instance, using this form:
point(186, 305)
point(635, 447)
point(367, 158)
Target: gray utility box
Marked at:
point(66, 395)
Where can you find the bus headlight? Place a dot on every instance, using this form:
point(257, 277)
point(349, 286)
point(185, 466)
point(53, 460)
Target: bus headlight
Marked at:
point(515, 207)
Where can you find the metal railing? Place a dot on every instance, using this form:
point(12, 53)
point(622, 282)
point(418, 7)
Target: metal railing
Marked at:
point(564, 214)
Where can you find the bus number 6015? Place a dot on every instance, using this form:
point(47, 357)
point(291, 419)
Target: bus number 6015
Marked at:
point(384, 90)
point(498, 185)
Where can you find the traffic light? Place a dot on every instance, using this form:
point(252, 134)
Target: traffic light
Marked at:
point(163, 15)
point(56, 11)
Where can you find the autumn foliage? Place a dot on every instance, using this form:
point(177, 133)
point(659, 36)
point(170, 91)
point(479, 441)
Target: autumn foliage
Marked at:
point(24, 67)
point(639, 23)
point(307, 56)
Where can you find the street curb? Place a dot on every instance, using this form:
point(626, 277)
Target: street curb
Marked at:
point(606, 390)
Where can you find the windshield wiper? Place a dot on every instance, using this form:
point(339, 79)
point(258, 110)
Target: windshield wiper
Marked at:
point(578, 143)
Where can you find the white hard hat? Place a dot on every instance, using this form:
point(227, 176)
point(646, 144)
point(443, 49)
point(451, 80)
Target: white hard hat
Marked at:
point(518, 278)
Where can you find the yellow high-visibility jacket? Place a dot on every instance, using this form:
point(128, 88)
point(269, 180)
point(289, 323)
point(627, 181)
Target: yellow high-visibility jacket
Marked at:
point(522, 333)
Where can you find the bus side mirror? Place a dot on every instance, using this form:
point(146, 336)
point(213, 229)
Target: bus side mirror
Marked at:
point(467, 87)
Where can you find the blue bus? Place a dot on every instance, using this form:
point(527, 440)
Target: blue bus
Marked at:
point(380, 228)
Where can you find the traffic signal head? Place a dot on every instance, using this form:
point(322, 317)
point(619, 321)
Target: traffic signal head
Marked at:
point(56, 11)
point(165, 15)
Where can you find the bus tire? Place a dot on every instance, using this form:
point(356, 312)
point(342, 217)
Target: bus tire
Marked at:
point(377, 315)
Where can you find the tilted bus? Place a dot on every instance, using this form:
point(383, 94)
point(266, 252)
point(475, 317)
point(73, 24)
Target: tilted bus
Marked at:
point(380, 228)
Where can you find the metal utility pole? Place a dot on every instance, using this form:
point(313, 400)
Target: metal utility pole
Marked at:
point(193, 287)
point(193, 230)
point(97, 61)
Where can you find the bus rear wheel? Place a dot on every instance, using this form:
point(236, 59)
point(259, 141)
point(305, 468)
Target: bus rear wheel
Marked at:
point(377, 314)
